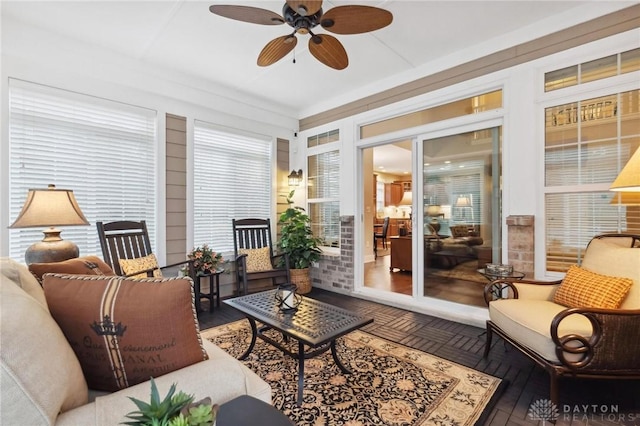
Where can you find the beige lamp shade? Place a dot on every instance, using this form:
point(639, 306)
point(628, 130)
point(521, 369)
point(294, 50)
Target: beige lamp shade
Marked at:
point(463, 201)
point(407, 199)
point(50, 207)
point(433, 210)
point(629, 178)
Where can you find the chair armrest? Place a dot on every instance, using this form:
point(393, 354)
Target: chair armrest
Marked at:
point(280, 260)
point(511, 288)
point(612, 347)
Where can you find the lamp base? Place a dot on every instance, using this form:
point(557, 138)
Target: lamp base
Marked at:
point(435, 225)
point(51, 251)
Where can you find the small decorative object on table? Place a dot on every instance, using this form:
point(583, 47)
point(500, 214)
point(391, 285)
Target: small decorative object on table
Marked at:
point(287, 298)
point(499, 270)
point(173, 410)
point(205, 260)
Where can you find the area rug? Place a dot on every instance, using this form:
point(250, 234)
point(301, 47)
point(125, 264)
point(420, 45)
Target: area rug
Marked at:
point(391, 384)
point(467, 271)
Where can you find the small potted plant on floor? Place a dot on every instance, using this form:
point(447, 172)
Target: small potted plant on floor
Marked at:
point(299, 243)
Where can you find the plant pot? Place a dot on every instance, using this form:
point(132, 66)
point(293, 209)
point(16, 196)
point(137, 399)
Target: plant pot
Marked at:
point(302, 279)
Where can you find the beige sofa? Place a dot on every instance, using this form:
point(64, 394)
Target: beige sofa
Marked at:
point(41, 381)
point(576, 341)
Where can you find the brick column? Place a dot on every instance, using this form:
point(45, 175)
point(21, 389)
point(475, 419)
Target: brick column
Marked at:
point(521, 243)
point(336, 272)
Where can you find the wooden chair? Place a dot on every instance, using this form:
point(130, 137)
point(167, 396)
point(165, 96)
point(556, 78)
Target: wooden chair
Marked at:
point(251, 235)
point(130, 240)
point(382, 234)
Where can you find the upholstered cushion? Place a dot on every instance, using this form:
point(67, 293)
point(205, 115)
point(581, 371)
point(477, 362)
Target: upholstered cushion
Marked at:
point(126, 330)
point(257, 259)
point(40, 374)
point(20, 276)
point(458, 231)
point(87, 265)
point(528, 321)
point(585, 289)
point(614, 256)
point(131, 266)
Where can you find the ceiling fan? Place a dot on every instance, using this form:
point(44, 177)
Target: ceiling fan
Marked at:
point(303, 16)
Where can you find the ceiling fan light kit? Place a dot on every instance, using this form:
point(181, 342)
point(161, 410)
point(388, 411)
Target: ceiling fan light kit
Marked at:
point(303, 16)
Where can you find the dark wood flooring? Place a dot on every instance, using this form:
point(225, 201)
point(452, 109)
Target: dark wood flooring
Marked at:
point(585, 400)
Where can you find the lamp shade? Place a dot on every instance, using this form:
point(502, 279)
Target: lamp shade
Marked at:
point(433, 210)
point(50, 207)
point(407, 199)
point(629, 178)
point(463, 201)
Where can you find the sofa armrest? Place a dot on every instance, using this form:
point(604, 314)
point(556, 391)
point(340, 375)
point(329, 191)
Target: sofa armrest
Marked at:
point(509, 288)
point(220, 378)
point(612, 347)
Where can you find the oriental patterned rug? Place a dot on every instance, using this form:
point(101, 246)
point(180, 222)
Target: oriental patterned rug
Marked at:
point(467, 271)
point(391, 384)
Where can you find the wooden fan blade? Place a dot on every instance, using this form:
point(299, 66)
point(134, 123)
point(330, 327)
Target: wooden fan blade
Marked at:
point(276, 49)
point(355, 19)
point(254, 15)
point(305, 8)
point(328, 50)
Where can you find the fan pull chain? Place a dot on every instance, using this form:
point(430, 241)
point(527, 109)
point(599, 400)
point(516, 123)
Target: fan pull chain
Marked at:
point(294, 55)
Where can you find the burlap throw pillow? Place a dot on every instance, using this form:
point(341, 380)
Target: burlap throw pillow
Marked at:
point(585, 289)
point(131, 266)
point(119, 340)
point(87, 265)
point(257, 259)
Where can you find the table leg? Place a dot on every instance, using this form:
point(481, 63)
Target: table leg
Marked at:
point(217, 291)
point(196, 291)
point(334, 353)
point(254, 335)
point(300, 372)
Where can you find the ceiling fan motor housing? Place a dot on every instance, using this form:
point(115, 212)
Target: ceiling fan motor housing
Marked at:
point(302, 24)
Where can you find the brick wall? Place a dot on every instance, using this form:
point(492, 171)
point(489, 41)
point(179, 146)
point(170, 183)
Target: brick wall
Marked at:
point(336, 273)
point(521, 243)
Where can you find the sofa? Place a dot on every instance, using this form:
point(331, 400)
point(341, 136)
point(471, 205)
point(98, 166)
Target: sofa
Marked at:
point(42, 381)
point(585, 325)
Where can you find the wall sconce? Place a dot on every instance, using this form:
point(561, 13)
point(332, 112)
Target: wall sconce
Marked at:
point(629, 178)
point(50, 207)
point(295, 177)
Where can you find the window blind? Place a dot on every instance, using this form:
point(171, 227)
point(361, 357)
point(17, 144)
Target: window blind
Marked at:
point(103, 150)
point(323, 193)
point(232, 180)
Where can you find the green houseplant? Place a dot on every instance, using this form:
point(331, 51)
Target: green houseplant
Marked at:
point(298, 242)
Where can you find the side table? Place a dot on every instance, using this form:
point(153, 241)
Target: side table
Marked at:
point(214, 289)
point(248, 411)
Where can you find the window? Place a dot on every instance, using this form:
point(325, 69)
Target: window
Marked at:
point(232, 180)
point(323, 190)
point(587, 142)
point(102, 150)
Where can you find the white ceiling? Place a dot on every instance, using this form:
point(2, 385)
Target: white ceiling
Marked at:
point(183, 36)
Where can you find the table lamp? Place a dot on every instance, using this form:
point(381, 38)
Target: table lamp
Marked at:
point(629, 178)
point(434, 211)
point(50, 207)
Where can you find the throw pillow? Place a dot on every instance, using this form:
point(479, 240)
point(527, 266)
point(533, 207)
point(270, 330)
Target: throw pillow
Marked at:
point(585, 289)
point(119, 340)
point(131, 266)
point(459, 231)
point(87, 265)
point(257, 259)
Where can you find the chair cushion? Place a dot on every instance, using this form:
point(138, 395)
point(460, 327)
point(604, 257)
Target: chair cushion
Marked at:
point(615, 256)
point(130, 266)
point(40, 374)
point(529, 321)
point(257, 259)
point(581, 288)
point(126, 330)
point(87, 265)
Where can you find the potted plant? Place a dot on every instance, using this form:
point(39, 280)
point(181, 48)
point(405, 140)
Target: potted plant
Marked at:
point(298, 242)
point(176, 409)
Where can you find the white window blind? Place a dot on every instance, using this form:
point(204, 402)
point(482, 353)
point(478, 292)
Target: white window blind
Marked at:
point(102, 150)
point(232, 180)
point(586, 144)
point(323, 193)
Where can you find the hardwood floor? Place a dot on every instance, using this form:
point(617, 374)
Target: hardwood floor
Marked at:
point(377, 275)
point(584, 400)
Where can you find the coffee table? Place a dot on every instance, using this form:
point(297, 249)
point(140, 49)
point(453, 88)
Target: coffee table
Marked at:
point(315, 324)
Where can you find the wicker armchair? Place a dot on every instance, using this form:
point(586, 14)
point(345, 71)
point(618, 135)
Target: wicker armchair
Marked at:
point(578, 341)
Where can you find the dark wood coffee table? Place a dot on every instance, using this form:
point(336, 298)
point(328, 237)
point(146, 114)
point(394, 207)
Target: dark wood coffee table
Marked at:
point(315, 324)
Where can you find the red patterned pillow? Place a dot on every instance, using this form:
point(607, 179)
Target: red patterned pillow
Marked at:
point(126, 330)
